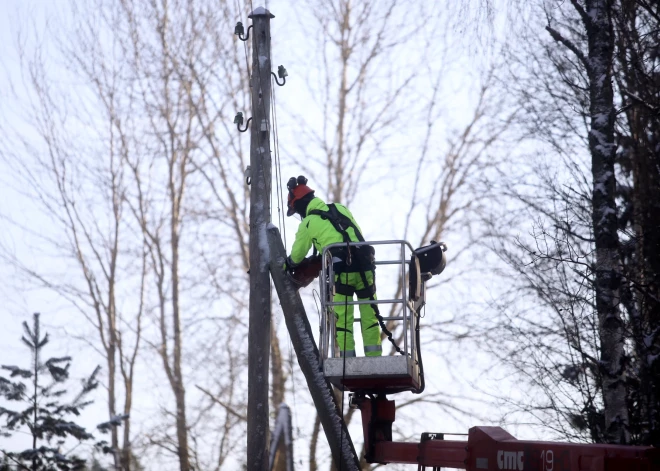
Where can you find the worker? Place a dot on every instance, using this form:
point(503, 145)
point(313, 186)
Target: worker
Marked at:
point(321, 226)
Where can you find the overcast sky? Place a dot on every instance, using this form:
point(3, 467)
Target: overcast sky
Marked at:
point(379, 208)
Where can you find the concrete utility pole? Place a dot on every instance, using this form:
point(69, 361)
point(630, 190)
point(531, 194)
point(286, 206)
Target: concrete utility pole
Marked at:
point(309, 359)
point(260, 165)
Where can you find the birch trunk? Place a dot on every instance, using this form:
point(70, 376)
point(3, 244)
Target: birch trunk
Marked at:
point(177, 379)
point(607, 276)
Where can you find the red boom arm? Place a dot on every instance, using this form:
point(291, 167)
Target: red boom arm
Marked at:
point(491, 448)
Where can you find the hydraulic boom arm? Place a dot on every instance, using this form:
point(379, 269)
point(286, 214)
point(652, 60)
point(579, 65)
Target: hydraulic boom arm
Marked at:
point(492, 448)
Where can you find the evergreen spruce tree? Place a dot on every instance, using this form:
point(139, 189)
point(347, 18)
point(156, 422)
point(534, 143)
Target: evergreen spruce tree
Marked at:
point(40, 407)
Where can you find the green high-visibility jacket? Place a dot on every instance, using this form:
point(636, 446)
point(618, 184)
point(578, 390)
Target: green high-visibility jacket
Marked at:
point(318, 231)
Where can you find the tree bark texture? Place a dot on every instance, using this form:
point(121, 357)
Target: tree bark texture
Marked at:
point(112, 367)
point(276, 370)
point(126, 451)
point(260, 317)
point(313, 442)
point(177, 379)
point(647, 234)
point(607, 274)
point(277, 395)
point(637, 29)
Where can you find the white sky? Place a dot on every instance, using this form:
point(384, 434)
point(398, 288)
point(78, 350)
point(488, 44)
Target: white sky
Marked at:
point(20, 300)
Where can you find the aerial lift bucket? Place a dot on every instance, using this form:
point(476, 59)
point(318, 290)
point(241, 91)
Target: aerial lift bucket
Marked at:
point(391, 373)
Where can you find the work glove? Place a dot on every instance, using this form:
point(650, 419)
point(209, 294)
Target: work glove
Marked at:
point(289, 265)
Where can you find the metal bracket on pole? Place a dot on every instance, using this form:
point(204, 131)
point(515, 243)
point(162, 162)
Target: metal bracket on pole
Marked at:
point(238, 121)
point(281, 73)
point(240, 31)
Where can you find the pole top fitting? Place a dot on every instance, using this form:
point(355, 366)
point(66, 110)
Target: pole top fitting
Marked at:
point(261, 11)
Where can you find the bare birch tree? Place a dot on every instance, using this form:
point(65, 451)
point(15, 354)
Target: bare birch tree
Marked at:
point(356, 40)
point(163, 42)
point(577, 250)
point(373, 66)
point(550, 347)
point(637, 24)
point(155, 69)
point(80, 188)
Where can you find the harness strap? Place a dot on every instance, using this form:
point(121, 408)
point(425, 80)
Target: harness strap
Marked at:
point(341, 223)
point(346, 290)
point(367, 292)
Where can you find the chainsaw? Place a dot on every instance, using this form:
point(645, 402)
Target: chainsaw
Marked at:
point(305, 272)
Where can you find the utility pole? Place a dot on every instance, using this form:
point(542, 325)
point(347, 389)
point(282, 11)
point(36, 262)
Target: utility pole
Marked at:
point(259, 321)
point(267, 255)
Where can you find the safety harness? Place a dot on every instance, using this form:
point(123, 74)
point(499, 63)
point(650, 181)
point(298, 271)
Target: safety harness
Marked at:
point(354, 259)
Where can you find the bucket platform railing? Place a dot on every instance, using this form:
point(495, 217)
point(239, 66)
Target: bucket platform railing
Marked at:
point(385, 374)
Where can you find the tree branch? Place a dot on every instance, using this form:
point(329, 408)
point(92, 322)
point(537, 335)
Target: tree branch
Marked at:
point(556, 35)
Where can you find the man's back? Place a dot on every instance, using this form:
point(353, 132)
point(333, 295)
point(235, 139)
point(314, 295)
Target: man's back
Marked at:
point(314, 229)
point(323, 225)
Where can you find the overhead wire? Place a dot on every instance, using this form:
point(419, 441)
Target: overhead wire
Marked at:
point(278, 167)
point(273, 126)
point(276, 154)
point(281, 222)
point(245, 49)
point(247, 67)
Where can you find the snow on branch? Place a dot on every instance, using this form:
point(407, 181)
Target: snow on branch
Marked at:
point(115, 421)
point(583, 14)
